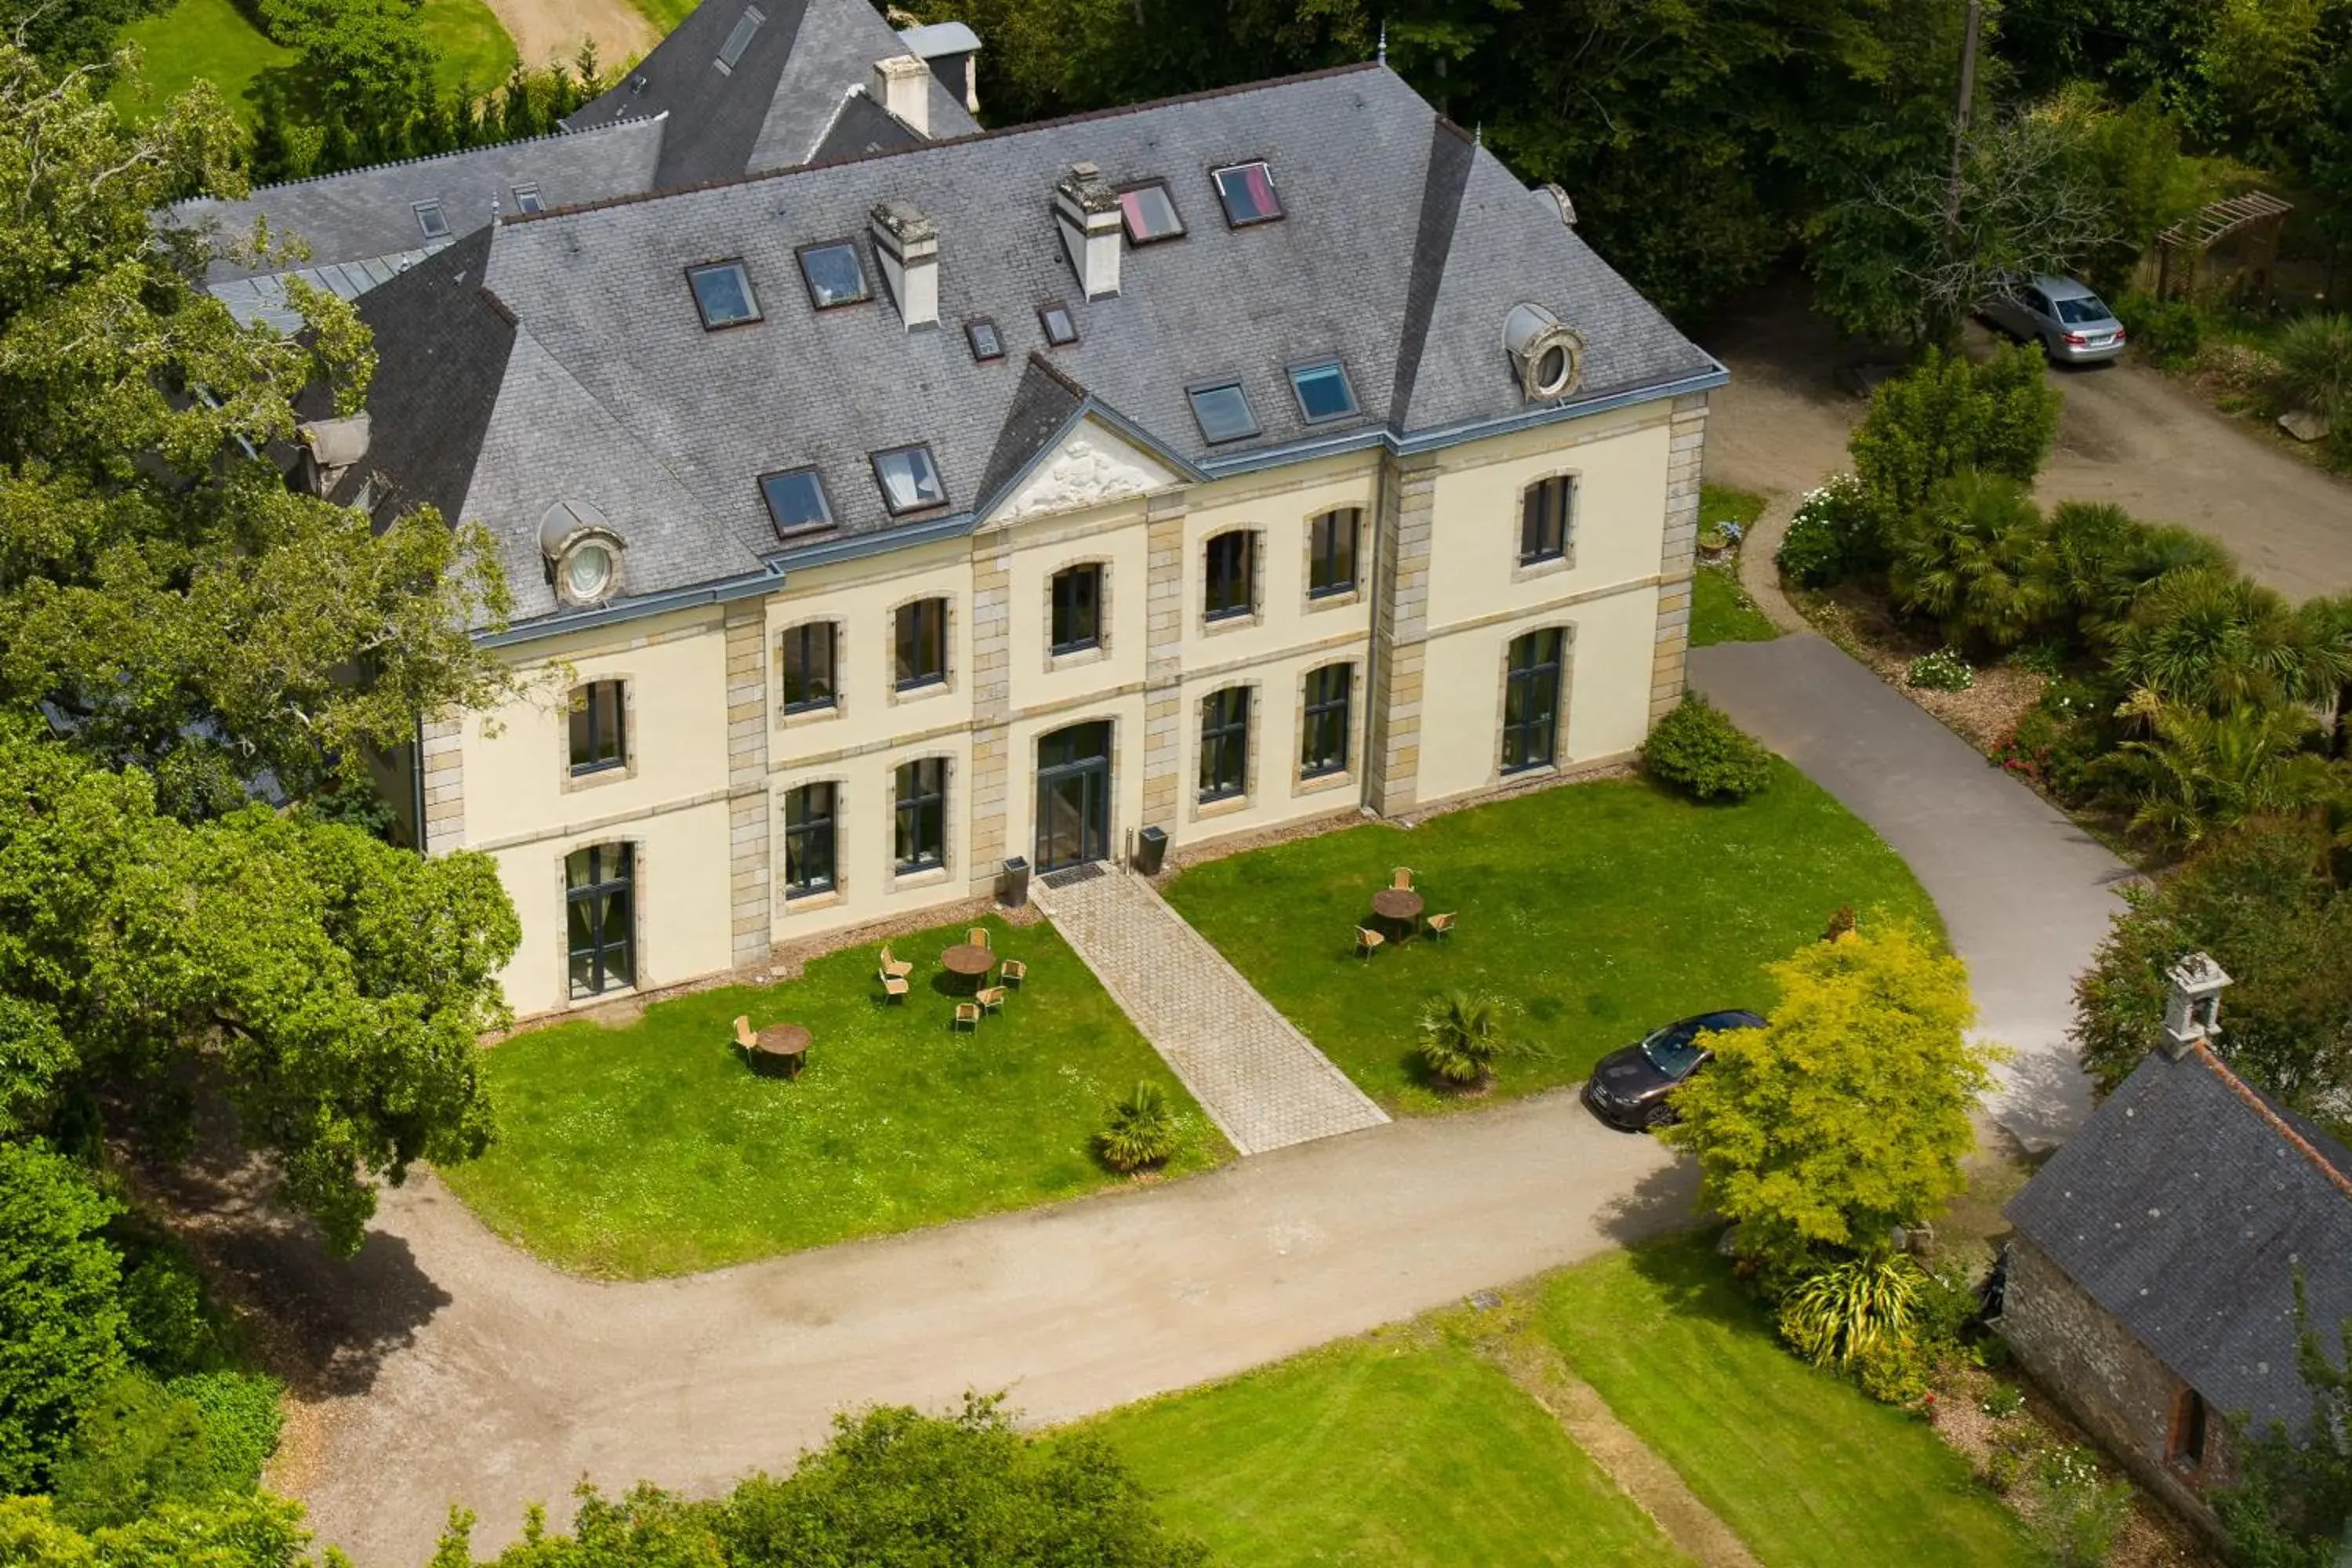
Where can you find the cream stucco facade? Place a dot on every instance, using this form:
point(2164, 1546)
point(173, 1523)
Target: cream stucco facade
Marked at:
point(711, 766)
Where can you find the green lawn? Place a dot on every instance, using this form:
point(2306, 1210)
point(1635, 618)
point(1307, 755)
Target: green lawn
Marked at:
point(653, 1149)
point(1809, 1472)
point(1600, 910)
point(664, 14)
point(1398, 1449)
point(1721, 610)
point(214, 40)
point(1721, 503)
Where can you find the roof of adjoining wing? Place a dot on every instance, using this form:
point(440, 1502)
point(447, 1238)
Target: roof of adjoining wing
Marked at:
point(1400, 251)
point(2184, 1207)
point(774, 105)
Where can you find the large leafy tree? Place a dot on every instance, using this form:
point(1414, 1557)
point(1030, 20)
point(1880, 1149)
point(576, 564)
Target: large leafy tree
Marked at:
point(61, 1321)
point(1848, 1114)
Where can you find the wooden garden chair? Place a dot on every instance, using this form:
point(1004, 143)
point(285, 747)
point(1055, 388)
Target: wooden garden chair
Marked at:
point(991, 1000)
point(895, 968)
point(967, 1016)
point(977, 936)
point(1013, 971)
point(1401, 878)
point(1442, 925)
point(744, 1037)
point(894, 987)
point(1367, 941)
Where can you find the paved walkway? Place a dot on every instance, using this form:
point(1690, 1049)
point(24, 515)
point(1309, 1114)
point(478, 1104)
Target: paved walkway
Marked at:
point(1262, 1082)
point(2025, 894)
point(471, 1373)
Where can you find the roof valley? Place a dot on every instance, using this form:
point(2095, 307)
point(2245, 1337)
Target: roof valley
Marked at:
point(1451, 156)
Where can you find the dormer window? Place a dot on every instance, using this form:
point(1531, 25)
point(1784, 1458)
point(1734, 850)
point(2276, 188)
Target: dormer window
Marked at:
point(1060, 329)
point(797, 502)
point(527, 200)
point(1223, 411)
point(909, 479)
point(987, 342)
point(583, 552)
point(432, 220)
point(723, 293)
point(834, 274)
point(1323, 392)
point(1150, 212)
point(1247, 192)
point(731, 51)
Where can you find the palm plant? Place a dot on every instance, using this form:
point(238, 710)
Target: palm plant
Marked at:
point(2199, 773)
point(1976, 557)
point(2315, 359)
point(2214, 641)
point(1852, 1307)
point(2101, 559)
point(1462, 1037)
point(1143, 1132)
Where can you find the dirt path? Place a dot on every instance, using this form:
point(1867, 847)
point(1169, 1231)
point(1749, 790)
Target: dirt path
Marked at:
point(2128, 436)
point(546, 31)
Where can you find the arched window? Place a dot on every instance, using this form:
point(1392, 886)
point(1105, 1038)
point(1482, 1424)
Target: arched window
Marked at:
point(1224, 744)
point(809, 852)
point(1229, 587)
point(1531, 701)
point(1323, 733)
point(922, 810)
point(1077, 600)
point(600, 917)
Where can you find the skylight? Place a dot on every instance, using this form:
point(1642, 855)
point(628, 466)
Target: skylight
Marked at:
point(1323, 392)
point(740, 39)
point(1059, 327)
point(986, 342)
point(1247, 190)
point(430, 219)
point(722, 292)
point(1151, 212)
point(796, 501)
point(527, 199)
point(834, 274)
point(1223, 411)
point(910, 481)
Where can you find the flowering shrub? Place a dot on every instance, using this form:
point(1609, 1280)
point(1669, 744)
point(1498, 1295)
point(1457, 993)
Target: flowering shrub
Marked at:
point(1942, 670)
point(2004, 1402)
point(1837, 532)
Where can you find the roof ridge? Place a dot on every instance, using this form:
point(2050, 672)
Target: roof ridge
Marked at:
point(2278, 1125)
point(1002, 133)
point(422, 159)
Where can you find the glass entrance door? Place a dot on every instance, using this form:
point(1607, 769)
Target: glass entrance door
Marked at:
point(1074, 797)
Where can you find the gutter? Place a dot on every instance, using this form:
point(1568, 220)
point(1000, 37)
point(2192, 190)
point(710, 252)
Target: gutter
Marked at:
point(767, 580)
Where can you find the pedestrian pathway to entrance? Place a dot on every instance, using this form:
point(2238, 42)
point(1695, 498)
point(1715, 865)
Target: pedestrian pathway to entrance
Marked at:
point(1262, 1082)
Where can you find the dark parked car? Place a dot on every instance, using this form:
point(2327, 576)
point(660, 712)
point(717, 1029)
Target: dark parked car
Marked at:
point(1628, 1088)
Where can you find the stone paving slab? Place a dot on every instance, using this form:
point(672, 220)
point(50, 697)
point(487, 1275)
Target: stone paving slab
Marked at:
point(1262, 1082)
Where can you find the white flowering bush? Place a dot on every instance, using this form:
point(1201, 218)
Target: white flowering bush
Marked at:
point(1942, 670)
point(1836, 533)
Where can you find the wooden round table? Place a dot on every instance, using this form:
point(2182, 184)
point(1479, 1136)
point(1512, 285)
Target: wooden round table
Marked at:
point(781, 1047)
point(971, 962)
point(1400, 904)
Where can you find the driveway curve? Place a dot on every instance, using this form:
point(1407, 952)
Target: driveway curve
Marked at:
point(2025, 894)
point(475, 1375)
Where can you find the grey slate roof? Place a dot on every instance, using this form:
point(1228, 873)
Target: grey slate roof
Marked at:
point(1402, 250)
point(369, 215)
point(2183, 1207)
point(774, 106)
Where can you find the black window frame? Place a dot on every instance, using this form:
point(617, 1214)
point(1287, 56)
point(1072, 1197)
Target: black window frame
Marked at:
point(1298, 372)
point(1091, 637)
point(1326, 714)
point(1213, 572)
point(918, 811)
point(812, 842)
point(864, 294)
point(738, 42)
point(1224, 744)
point(909, 624)
point(588, 722)
point(1544, 531)
point(440, 217)
point(1526, 676)
point(971, 331)
point(825, 519)
point(1200, 389)
point(1217, 183)
point(939, 480)
point(1128, 228)
point(750, 294)
point(1322, 539)
point(1045, 314)
point(528, 199)
point(601, 892)
point(805, 640)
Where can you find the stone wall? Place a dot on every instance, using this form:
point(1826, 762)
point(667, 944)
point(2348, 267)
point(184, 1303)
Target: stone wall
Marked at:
point(2109, 1382)
point(1679, 558)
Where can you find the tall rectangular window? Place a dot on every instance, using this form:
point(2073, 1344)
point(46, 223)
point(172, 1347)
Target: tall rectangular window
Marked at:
point(1546, 513)
point(922, 659)
point(1077, 609)
point(600, 917)
point(808, 840)
point(1224, 744)
point(1531, 701)
point(1331, 553)
point(597, 716)
point(1229, 589)
point(807, 660)
point(922, 836)
point(1323, 745)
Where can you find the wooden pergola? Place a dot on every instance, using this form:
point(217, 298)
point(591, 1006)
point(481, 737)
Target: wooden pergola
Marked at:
point(2217, 221)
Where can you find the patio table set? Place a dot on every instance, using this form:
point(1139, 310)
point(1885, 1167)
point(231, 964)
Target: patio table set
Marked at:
point(971, 960)
point(1396, 910)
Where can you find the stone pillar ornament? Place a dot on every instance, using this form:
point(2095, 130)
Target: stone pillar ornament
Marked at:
point(2192, 1004)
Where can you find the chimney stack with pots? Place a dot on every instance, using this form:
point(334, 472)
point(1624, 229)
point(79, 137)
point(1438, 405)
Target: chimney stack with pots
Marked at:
point(907, 244)
point(2192, 1005)
point(902, 84)
point(1086, 209)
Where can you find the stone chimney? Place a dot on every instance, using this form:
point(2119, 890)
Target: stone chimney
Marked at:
point(908, 245)
point(2192, 1005)
point(902, 84)
point(330, 449)
point(1086, 209)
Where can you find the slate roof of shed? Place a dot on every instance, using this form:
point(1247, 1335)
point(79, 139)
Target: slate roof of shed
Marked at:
point(776, 105)
point(2184, 1207)
point(1402, 250)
